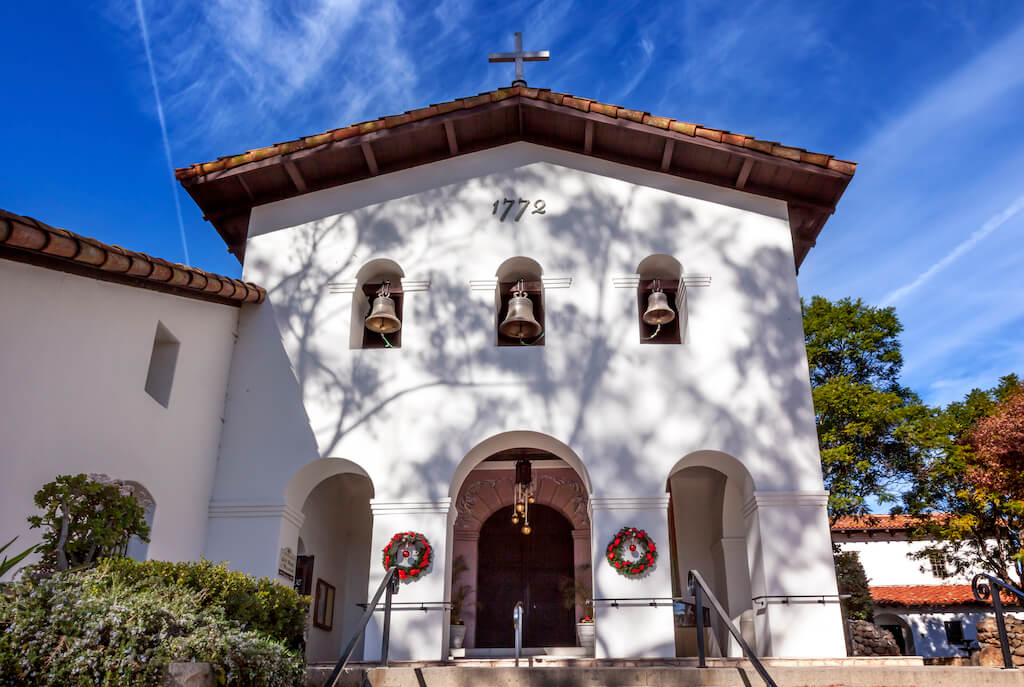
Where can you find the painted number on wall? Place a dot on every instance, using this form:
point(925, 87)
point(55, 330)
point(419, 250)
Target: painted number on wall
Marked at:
point(507, 204)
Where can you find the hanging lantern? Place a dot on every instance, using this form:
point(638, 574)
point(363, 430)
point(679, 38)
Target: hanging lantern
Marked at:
point(519, 322)
point(658, 310)
point(382, 318)
point(523, 495)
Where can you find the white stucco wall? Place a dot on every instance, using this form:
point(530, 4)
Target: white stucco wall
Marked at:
point(887, 561)
point(929, 631)
point(75, 357)
point(631, 412)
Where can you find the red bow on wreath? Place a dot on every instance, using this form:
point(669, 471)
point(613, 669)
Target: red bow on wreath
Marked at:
point(642, 553)
point(409, 552)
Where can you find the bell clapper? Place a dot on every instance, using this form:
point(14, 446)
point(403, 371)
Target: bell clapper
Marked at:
point(657, 330)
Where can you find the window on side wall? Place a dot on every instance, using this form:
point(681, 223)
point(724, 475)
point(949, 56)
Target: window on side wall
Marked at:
point(954, 632)
point(937, 561)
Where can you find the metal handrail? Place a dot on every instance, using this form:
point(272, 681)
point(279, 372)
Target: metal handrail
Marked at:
point(701, 586)
point(981, 586)
point(390, 585)
point(517, 623)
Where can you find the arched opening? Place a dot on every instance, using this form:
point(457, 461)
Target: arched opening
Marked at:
point(534, 569)
point(136, 548)
point(333, 544)
point(513, 274)
point(707, 491)
point(661, 273)
point(369, 279)
point(900, 630)
point(548, 569)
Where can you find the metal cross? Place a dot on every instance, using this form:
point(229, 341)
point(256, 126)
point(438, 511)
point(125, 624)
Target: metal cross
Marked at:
point(519, 57)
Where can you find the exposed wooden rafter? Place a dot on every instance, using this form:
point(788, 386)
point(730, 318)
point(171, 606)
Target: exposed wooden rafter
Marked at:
point(296, 177)
point(741, 178)
point(666, 155)
point(588, 138)
point(371, 159)
point(449, 132)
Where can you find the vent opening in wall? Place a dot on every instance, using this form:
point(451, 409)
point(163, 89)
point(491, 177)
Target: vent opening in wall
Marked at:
point(161, 365)
point(654, 310)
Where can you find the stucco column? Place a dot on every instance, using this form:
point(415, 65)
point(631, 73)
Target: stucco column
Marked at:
point(790, 553)
point(415, 634)
point(634, 628)
point(734, 562)
point(250, 536)
point(581, 565)
point(467, 545)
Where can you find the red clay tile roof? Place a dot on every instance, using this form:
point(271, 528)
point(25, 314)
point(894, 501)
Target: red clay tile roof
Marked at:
point(582, 104)
point(24, 239)
point(876, 523)
point(930, 595)
point(227, 189)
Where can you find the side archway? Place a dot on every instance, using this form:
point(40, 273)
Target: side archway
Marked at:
point(707, 492)
point(329, 502)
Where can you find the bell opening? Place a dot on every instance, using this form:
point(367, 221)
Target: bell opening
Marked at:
point(382, 322)
point(658, 311)
point(521, 319)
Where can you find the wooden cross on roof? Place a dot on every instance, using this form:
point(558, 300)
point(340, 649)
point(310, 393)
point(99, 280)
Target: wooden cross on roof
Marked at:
point(519, 57)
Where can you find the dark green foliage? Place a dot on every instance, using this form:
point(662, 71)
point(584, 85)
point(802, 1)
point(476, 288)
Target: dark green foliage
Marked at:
point(981, 526)
point(98, 628)
point(7, 564)
point(870, 429)
point(854, 581)
point(84, 521)
point(272, 610)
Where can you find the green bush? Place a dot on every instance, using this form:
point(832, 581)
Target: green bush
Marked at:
point(99, 628)
point(270, 609)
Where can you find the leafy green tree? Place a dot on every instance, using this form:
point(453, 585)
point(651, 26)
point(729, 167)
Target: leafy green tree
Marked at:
point(969, 493)
point(870, 428)
point(83, 521)
point(853, 580)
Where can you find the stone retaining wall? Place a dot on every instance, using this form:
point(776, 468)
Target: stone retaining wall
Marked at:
point(868, 639)
point(988, 637)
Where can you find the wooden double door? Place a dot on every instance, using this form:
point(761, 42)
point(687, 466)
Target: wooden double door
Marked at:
point(535, 568)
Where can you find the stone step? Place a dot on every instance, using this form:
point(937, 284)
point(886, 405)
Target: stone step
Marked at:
point(739, 675)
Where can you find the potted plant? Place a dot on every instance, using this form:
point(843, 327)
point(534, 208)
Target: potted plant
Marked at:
point(457, 629)
point(579, 594)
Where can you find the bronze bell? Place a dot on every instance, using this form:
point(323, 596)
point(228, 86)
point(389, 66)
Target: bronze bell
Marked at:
point(382, 318)
point(658, 310)
point(519, 322)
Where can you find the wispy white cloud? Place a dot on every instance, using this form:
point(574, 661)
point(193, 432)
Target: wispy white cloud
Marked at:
point(163, 127)
point(949, 258)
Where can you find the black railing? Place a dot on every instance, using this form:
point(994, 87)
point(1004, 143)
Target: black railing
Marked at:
point(986, 587)
point(700, 588)
point(388, 586)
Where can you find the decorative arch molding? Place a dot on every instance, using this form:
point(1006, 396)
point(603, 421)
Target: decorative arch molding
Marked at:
point(311, 474)
point(512, 440)
point(724, 463)
point(480, 498)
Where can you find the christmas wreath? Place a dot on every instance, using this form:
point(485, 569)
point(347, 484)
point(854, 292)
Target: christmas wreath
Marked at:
point(632, 552)
point(409, 552)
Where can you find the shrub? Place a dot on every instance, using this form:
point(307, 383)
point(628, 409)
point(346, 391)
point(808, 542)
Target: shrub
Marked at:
point(97, 628)
point(275, 611)
point(85, 520)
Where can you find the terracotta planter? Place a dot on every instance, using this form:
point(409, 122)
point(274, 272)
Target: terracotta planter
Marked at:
point(585, 635)
point(456, 636)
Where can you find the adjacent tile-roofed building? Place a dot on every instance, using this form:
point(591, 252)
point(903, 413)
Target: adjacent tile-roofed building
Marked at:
point(876, 523)
point(24, 239)
point(930, 595)
point(228, 188)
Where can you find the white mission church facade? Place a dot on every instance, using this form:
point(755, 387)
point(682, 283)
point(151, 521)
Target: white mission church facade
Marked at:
point(274, 430)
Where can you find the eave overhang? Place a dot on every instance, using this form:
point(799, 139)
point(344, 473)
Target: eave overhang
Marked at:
point(811, 184)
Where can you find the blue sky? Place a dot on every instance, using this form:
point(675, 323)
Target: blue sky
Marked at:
point(926, 96)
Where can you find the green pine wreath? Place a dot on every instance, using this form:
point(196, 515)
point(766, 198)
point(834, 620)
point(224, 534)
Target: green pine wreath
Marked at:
point(402, 546)
point(631, 552)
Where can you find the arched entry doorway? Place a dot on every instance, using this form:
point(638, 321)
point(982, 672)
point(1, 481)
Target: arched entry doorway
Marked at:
point(484, 487)
point(535, 569)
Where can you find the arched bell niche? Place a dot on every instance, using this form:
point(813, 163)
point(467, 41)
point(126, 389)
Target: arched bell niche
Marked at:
point(509, 273)
point(661, 272)
point(369, 279)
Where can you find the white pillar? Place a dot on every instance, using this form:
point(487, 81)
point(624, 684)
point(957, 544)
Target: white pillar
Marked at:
point(634, 628)
point(790, 554)
point(250, 536)
point(415, 634)
point(581, 558)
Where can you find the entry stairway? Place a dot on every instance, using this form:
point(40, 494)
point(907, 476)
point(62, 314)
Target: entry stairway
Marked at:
point(553, 671)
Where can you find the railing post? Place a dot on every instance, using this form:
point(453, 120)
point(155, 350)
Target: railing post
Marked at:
point(1004, 641)
point(386, 635)
point(699, 606)
point(517, 622)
